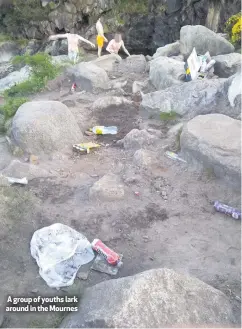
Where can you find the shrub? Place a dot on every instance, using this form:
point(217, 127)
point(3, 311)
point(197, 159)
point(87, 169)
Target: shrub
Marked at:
point(42, 69)
point(11, 105)
point(233, 28)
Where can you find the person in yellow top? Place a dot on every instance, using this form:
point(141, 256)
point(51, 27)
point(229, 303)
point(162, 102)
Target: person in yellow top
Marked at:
point(100, 37)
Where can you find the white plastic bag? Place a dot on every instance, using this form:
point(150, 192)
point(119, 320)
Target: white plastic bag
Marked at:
point(59, 252)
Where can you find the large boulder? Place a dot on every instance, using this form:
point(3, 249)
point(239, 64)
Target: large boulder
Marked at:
point(235, 90)
point(132, 64)
point(44, 127)
point(213, 141)
point(203, 40)
point(159, 298)
point(172, 49)
point(106, 62)
point(8, 50)
point(14, 78)
point(108, 188)
point(137, 139)
point(110, 101)
point(227, 65)
point(165, 72)
point(88, 76)
point(191, 99)
point(18, 169)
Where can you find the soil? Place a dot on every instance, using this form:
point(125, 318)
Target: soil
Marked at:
point(171, 223)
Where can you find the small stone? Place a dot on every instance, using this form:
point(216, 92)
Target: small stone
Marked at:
point(34, 291)
point(83, 275)
point(145, 237)
point(33, 159)
point(151, 258)
point(163, 193)
point(165, 198)
point(113, 224)
point(238, 298)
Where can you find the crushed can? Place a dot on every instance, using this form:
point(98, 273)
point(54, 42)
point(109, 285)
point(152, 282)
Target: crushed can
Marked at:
point(111, 256)
point(230, 211)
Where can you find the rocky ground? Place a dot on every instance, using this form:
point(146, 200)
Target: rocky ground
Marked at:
point(169, 223)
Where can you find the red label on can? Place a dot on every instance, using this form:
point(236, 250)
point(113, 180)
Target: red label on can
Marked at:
point(111, 256)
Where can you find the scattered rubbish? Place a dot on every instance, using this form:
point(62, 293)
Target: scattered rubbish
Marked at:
point(199, 67)
point(102, 266)
point(59, 252)
point(101, 130)
point(137, 193)
point(174, 156)
point(193, 63)
point(33, 159)
point(22, 181)
point(110, 256)
point(73, 87)
point(230, 211)
point(85, 147)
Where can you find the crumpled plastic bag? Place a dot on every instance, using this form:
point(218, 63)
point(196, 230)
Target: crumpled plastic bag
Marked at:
point(59, 252)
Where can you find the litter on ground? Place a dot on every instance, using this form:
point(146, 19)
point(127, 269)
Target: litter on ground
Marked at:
point(59, 252)
point(85, 147)
point(230, 211)
point(173, 156)
point(21, 181)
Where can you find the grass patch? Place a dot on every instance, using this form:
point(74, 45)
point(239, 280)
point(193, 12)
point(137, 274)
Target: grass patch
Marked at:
point(164, 116)
point(42, 70)
point(21, 42)
point(134, 7)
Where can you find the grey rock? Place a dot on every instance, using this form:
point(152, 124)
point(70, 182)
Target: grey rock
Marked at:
point(173, 135)
point(5, 69)
point(172, 49)
point(89, 76)
point(44, 126)
point(213, 142)
point(106, 62)
point(165, 72)
point(191, 99)
point(145, 158)
point(227, 65)
point(108, 188)
point(159, 298)
point(203, 40)
point(108, 101)
point(132, 64)
point(33, 47)
point(15, 78)
point(139, 86)
point(5, 153)
point(137, 139)
point(18, 169)
point(234, 91)
point(8, 50)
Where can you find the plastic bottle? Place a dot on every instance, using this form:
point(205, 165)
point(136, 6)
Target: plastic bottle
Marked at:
point(101, 130)
point(223, 208)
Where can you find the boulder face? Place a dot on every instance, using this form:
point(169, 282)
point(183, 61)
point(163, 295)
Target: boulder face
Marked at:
point(203, 40)
point(108, 188)
point(172, 49)
point(8, 50)
point(213, 141)
point(14, 77)
point(88, 76)
point(190, 99)
point(152, 299)
point(133, 63)
point(165, 72)
point(44, 127)
point(227, 65)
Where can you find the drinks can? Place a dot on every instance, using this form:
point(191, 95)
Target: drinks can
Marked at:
point(111, 256)
point(223, 208)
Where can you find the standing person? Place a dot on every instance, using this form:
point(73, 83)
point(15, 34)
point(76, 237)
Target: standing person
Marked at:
point(100, 37)
point(115, 45)
point(73, 40)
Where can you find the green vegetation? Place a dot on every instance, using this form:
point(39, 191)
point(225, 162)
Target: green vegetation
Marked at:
point(134, 7)
point(43, 70)
point(234, 29)
point(6, 37)
point(164, 116)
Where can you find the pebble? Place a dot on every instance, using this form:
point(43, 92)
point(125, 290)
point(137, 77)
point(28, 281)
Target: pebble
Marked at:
point(163, 193)
point(34, 291)
point(145, 237)
point(238, 298)
point(83, 275)
point(151, 258)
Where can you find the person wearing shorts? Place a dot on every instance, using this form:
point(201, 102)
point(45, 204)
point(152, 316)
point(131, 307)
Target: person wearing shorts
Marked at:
point(100, 41)
point(73, 40)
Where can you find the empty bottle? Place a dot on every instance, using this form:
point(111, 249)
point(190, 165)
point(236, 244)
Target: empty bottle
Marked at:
point(230, 211)
point(101, 130)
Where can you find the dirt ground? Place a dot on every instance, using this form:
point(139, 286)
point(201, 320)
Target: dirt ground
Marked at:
point(181, 231)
